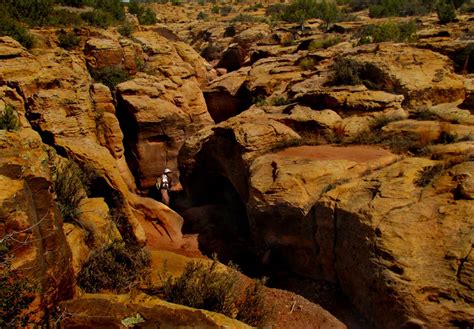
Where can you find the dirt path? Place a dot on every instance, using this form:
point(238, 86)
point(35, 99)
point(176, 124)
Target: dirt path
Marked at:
point(358, 153)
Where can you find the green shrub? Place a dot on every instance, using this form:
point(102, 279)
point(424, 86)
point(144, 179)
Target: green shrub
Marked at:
point(110, 75)
point(201, 2)
point(69, 190)
point(74, 3)
point(346, 72)
point(280, 101)
point(403, 143)
point(246, 18)
point(115, 268)
point(98, 18)
point(205, 286)
point(323, 44)
point(387, 8)
point(428, 174)
point(275, 10)
point(148, 17)
point(389, 31)
point(381, 121)
point(134, 8)
point(112, 7)
point(255, 7)
point(301, 10)
point(202, 16)
point(307, 63)
point(424, 114)
point(9, 119)
point(446, 11)
point(126, 30)
point(176, 2)
point(68, 40)
point(16, 30)
point(64, 17)
point(33, 12)
point(260, 101)
point(225, 10)
point(16, 294)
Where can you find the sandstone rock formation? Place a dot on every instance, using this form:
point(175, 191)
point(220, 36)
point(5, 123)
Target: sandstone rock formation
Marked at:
point(31, 226)
point(323, 211)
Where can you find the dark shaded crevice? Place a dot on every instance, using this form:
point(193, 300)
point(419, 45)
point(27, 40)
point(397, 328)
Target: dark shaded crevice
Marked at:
point(462, 261)
point(334, 246)
point(222, 105)
point(218, 214)
point(129, 127)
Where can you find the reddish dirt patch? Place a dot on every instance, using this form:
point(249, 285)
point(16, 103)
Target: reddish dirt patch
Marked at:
point(358, 153)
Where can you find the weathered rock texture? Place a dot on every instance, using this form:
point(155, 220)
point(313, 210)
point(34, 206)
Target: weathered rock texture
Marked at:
point(92, 311)
point(159, 110)
point(30, 223)
point(352, 215)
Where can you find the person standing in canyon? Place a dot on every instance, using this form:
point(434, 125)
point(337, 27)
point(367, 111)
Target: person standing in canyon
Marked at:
point(163, 184)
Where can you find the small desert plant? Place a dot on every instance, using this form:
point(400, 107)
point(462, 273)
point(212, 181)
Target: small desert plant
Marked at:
point(279, 101)
point(148, 17)
point(255, 7)
point(206, 286)
point(381, 121)
point(275, 10)
point(252, 309)
point(260, 100)
point(176, 2)
point(346, 72)
point(323, 44)
point(98, 18)
point(110, 75)
point(9, 119)
point(68, 40)
point(446, 11)
point(225, 10)
point(115, 268)
point(424, 114)
point(69, 189)
point(126, 30)
point(202, 16)
point(16, 294)
point(16, 30)
point(215, 9)
point(403, 143)
point(203, 286)
point(389, 31)
point(307, 63)
point(386, 8)
point(428, 174)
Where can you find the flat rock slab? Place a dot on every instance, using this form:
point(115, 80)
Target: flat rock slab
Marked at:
point(358, 153)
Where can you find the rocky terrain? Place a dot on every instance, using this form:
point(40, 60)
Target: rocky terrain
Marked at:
point(354, 197)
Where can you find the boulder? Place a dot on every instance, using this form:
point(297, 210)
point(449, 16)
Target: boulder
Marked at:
point(95, 218)
point(469, 100)
point(422, 76)
point(106, 52)
point(356, 98)
point(77, 241)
